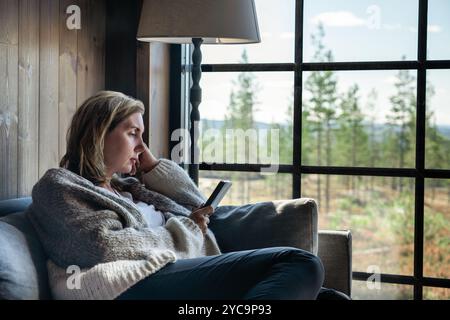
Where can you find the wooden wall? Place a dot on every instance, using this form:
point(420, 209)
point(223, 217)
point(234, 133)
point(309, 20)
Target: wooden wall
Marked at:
point(139, 69)
point(46, 71)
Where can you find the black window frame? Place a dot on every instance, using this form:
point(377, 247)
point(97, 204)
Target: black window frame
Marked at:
point(180, 77)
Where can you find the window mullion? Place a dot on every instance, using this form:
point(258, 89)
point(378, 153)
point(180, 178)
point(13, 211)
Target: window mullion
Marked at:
point(420, 150)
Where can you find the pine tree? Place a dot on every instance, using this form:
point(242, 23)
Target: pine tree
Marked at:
point(321, 108)
point(402, 123)
point(242, 104)
point(437, 146)
point(352, 136)
point(285, 132)
point(373, 145)
point(240, 115)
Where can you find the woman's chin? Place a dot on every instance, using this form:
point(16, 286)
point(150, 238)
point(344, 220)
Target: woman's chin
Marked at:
point(127, 169)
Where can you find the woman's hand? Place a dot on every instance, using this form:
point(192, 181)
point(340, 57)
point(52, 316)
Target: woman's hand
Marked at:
point(201, 217)
point(146, 162)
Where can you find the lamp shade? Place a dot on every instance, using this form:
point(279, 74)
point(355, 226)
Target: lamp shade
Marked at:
point(215, 21)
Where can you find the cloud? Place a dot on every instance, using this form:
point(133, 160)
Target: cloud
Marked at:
point(434, 28)
point(431, 28)
point(392, 26)
point(338, 19)
point(287, 35)
point(391, 80)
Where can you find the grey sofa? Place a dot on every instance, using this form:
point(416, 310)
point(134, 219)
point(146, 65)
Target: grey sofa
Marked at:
point(23, 273)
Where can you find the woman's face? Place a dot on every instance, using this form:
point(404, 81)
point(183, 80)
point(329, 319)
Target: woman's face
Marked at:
point(124, 144)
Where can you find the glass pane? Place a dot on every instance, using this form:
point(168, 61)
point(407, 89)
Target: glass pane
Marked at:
point(438, 29)
point(387, 291)
point(379, 211)
point(430, 293)
point(248, 187)
point(359, 118)
point(360, 30)
point(276, 21)
point(437, 228)
point(437, 142)
point(247, 117)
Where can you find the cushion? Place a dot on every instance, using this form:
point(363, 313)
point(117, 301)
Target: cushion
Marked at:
point(23, 271)
point(14, 205)
point(291, 223)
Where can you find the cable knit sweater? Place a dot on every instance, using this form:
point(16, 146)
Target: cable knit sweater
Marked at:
point(107, 237)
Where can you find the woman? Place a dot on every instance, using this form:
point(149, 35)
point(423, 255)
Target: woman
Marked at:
point(144, 237)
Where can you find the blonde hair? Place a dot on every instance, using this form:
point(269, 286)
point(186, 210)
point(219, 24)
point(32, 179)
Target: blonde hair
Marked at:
point(97, 116)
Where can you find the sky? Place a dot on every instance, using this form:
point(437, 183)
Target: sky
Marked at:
point(355, 30)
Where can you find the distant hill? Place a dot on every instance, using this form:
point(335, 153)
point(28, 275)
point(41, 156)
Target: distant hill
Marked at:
point(217, 124)
point(445, 130)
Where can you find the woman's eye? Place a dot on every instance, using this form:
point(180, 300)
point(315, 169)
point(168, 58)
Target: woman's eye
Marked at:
point(133, 134)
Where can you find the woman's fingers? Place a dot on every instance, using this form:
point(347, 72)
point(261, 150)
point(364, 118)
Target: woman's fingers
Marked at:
point(209, 210)
point(201, 219)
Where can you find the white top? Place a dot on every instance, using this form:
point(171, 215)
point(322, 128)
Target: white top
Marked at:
point(154, 218)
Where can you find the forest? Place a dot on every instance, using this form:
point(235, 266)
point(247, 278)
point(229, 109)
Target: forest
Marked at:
point(339, 130)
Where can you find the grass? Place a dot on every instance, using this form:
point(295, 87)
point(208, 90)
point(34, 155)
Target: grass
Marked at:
point(380, 217)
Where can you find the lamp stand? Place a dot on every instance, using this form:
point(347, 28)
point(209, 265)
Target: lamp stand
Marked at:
point(195, 98)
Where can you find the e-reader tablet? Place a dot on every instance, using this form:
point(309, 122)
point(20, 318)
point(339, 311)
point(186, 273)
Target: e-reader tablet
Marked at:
point(218, 194)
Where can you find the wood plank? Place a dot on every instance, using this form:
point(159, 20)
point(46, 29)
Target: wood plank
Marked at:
point(83, 53)
point(49, 86)
point(9, 22)
point(143, 83)
point(8, 120)
point(97, 20)
point(28, 130)
point(121, 28)
point(159, 99)
point(91, 51)
point(9, 34)
point(67, 74)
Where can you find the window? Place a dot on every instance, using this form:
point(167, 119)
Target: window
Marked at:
point(355, 94)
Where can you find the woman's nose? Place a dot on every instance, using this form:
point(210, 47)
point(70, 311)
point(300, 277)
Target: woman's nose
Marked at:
point(140, 148)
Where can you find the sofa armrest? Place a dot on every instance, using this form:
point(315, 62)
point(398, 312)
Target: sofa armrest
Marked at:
point(335, 251)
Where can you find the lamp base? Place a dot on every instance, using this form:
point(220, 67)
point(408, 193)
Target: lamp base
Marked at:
point(195, 98)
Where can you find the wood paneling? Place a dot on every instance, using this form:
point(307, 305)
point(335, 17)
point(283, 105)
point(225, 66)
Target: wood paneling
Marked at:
point(49, 86)
point(9, 13)
point(96, 60)
point(139, 70)
point(152, 81)
point(46, 70)
point(28, 102)
point(91, 50)
point(68, 66)
point(82, 53)
point(143, 83)
point(9, 53)
point(159, 99)
point(121, 45)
